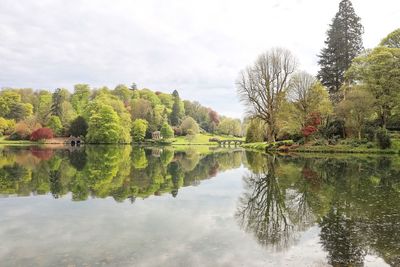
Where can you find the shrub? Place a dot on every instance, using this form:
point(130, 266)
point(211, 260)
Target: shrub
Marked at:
point(166, 131)
point(383, 138)
point(177, 131)
point(42, 134)
point(308, 130)
point(333, 129)
point(213, 139)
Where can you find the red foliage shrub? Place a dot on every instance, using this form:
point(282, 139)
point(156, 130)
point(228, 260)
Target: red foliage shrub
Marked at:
point(42, 133)
point(44, 154)
point(308, 130)
point(313, 121)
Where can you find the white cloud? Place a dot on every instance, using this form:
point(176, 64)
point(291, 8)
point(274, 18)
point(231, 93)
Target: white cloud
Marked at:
point(197, 47)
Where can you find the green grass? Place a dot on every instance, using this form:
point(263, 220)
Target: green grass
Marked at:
point(264, 146)
point(200, 139)
point(4, 141)
point(345, 147)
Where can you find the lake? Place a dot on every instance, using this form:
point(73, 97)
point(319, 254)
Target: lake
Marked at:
point(130, 206)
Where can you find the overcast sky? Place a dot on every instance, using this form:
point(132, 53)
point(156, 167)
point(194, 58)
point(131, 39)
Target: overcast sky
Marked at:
point(197, 47)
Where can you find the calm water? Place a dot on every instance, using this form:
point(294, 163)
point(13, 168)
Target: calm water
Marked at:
point(125, 206)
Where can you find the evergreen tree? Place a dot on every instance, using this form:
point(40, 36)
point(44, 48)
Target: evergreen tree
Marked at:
point(177, 110)
point(343, 43)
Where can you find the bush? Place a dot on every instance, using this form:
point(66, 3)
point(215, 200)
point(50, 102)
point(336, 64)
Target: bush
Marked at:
point(383, 138)
point(370, 145)
point(333, 129)
point(42, 134)
point(308, 130)
point(166, 131)
point(177, 131)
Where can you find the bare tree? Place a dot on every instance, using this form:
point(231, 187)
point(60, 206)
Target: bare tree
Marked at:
point(301, 94)
point(262, 86)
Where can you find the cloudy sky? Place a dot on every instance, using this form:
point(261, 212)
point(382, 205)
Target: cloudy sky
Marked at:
point(197, 47)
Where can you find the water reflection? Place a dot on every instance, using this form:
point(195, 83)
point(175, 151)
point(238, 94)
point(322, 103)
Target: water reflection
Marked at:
point(122, 172)
point(354, 201)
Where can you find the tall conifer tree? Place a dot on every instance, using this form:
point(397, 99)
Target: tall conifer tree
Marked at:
point(342, 45)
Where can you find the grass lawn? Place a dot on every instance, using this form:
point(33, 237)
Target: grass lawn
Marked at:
point(4, 141)
point(200, 139)
point(339, 148)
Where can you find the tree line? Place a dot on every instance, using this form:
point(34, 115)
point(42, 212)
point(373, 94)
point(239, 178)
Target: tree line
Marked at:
point(102, 115)
point(356, 92)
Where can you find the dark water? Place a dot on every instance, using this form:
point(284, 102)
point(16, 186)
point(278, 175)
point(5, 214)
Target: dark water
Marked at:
point(126, 206)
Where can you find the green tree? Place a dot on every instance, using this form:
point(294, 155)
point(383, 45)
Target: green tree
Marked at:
point(343, 44)
point(255, 131)
point(189, 126)
point(59, 96)
point(167, 131)
point(55, 124)
point(139, 128)
point(178, 110)
point(356, 109)
point(105, 126)
point(379, 72)
point(80, 97)
point(6, 126)
point(78, 127)
point(307, 96)
point(230, 126)
point(44, 106)
point(392, 40)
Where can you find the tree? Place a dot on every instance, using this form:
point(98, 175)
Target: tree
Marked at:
point(6, 126)
point(342, 45)
point(230, 126)
point(80, 97)
point(178, 110)
point(42, 134)
point(255, 131)
point(262, 87)
point(44, 106)
point(167, 131)
point(59, 96)
point(139, 128)
point(189, 126)
point(308, 95)
point(356, 109)
point(55, 125)
point(392, 40)
point(105, 126)
point(379, 72)
point(78, 127)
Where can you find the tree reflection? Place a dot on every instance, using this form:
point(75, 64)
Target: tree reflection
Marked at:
point(354, 201)
point(268, 209)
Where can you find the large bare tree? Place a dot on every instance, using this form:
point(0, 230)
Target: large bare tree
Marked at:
point(262, 86)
